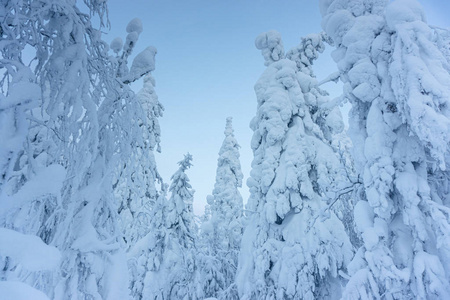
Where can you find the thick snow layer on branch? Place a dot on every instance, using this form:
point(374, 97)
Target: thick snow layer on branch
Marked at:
point(47, 181)
point(28, 250)
point(116, 44)
point(143, 63)
point(21, 93)
point(135, 25)
point(403, 11)
point(15, 290)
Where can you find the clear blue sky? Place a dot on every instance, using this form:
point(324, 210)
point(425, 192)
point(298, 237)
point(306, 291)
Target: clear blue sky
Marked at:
point(207, 65)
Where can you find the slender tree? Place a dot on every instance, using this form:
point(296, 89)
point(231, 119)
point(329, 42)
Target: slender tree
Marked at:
point(175, 273)
point(222, 235)
point(288, 252)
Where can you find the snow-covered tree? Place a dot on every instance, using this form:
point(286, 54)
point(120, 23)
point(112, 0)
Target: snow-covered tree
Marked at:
point(62, 163)
point(398, 81)
point(141, 203)
point(222, 232)
point(146, 256)
point(290, 251)
point(175, 269)
point(61, 143)
point(134, 121)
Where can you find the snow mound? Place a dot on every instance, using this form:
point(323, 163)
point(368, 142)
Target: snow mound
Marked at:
point(21, 93)
point(135, 25)
point(403, 11)
point(132, 38)
point(116, 44)
point(143, 63)
point(29, 250)
point(19, 291)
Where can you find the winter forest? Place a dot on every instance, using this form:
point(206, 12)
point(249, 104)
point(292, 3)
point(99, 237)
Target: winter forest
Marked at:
point(337, 209)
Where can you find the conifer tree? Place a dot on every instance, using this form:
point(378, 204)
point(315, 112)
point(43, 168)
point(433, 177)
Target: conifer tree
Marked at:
point(222, 235)
point(397, 80)
point(288, 252)
point(175, 274)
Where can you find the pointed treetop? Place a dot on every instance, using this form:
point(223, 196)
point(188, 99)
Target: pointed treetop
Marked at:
point(229, 127)
point(186, 162)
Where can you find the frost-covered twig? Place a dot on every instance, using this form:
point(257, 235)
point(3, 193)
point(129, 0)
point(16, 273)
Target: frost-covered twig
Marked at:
point(48, 127)
point(332, 77)
point(340, 193)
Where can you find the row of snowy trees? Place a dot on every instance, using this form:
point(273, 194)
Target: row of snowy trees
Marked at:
point(84, 213)
point(396, 74)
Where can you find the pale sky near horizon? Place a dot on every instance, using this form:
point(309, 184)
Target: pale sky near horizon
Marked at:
point(207, 65)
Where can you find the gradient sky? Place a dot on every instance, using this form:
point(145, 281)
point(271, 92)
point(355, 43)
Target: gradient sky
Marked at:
point(207, 65)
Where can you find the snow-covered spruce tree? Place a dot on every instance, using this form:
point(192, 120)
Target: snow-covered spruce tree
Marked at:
point(398, 83)
point(132, 120)
point(134, 182)
point(142, 205)
point(287, 251)
point(146, 255)
point(326, 114)
point(222, 236)
point(176, 270)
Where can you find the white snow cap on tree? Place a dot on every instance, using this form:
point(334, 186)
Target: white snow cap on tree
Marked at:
point(271, 45)
point(135, 25)
point(400, 12)
point(143, 63)
point(116, 45)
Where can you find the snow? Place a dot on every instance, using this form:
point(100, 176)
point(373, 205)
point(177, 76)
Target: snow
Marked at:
point(15, 290)
point(221, 231)
point(271, 45)
point(116, 45)
point(28, 250)
point(403, 11)
point(48, 180)
point(294, 167)
point(142, 64)
point(396, 78)
point(135, 25)
point(131, 39)
point(363, 216)
point(21, 93)
point(84, 212)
